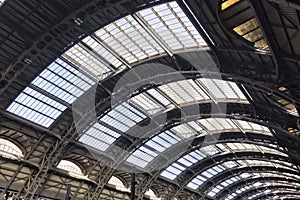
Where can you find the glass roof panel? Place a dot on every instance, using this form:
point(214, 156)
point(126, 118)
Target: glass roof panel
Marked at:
point(187, 160)
point(105, 54)
point(222, 90)
point(218, 125)
point(172, 26)
point(253, 127)
point(210, 150)
point(263, 186)
point(183, 92)
point(213, 125)
point(159, 97)
point(147, 103)
point(213, 192)
point(63, 81)
point(123, 117)
point(168, 175)
point(129, 40)
point(184, 131)
point(91, 63)
point(98, 136)
point(196, 182)
point(213, 171)
point(36, 107)
point(162, 141)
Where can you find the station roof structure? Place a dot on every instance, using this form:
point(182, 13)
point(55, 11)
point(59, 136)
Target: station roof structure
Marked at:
point(200, 98)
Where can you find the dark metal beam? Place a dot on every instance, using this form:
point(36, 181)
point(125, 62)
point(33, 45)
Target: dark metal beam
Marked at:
point(132, 184)
point(288, 3)
point(262, 19)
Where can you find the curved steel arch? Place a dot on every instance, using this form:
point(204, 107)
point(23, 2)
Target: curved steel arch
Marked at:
point(253, 191)
point(173, 120)
point(171, 195)
point(246, 181)
point(226, 137)
point(219, 159)
point(175, 152)
point(185, 178)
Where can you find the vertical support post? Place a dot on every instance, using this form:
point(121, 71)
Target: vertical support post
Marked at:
point(132, 186)
point(7, 195)
point(68, 192)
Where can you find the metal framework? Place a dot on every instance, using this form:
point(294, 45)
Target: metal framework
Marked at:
point(240, 56)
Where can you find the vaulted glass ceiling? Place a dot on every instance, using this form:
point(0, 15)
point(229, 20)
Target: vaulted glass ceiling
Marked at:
point(161, 30)
point(48, 95)
point(36, 107)
point(210, 173)
point(182, 164)
point(166, 139)
point(112, 48)
point(262, 188)
point(157, 100)
point(248, 177)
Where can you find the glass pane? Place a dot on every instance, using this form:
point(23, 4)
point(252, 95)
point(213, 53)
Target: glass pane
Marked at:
point(36, 107)
point(129, 40)
point(63, 81)
point(172, 26)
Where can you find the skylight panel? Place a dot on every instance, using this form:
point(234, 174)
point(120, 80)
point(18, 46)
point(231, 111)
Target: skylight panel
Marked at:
point(222, 90)
point(36, 107)
point(228, 182)
point(196, 182)
point(163, 100)
point(187, 161)
point(123, 117)
point(147, 103)
point(214, 125)
point(137, 161)
point(183, 92)
point(87, 61)
point(197, 127)
point(99, 137)
point(174, 169)
point(172, 26)
point(63, 81)
point(184, 131)
point(210, 150)
point(103, 52)
point(143, 154)
point(127, 38)
point(230, 164)
point(215, 190)
point(161, 142)
point(253, 127)
point(168, 175)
